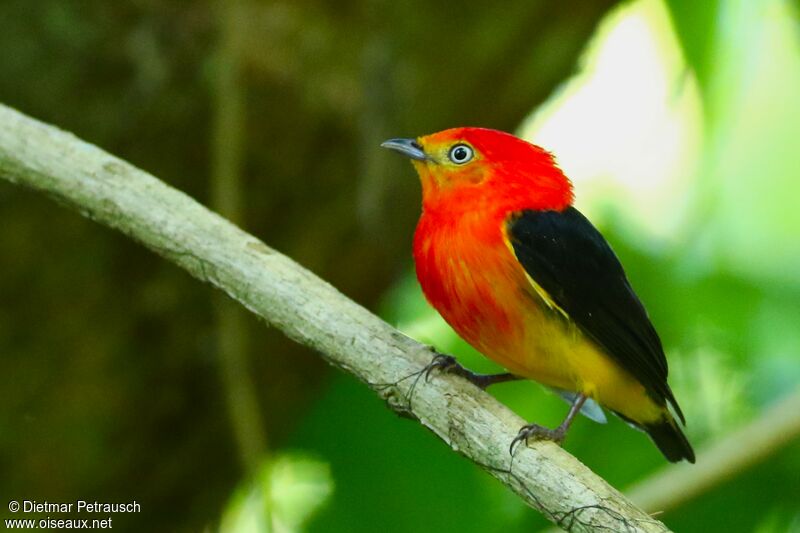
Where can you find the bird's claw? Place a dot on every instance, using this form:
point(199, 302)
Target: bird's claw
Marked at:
point(537, 432)
point(445, 363)
point(448, 364)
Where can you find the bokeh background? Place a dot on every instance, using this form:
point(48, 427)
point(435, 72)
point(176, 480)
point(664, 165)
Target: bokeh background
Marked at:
point(121, 378)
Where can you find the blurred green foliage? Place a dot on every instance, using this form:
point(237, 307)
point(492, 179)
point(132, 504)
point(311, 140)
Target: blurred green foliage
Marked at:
point(282, 495)
point(109, 384)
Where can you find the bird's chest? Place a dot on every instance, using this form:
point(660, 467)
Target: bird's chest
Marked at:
point(470, 276)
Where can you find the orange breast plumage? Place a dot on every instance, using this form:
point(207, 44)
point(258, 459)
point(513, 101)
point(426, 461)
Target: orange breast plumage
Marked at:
point(469, 275)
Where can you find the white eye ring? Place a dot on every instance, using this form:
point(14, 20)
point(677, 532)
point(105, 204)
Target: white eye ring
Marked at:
point(460, 154)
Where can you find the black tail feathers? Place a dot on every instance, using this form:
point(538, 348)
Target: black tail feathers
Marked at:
point(668, 437)
point(670, 440)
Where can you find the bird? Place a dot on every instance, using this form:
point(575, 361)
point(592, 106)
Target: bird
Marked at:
point(516, 270)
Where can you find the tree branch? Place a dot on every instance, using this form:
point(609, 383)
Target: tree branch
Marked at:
point(310, 311)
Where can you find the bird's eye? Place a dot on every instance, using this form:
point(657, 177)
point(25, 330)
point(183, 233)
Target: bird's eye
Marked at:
point(460, 154)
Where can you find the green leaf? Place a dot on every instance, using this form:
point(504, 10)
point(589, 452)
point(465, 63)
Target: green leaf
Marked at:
point(282, 496)
point(696, 26)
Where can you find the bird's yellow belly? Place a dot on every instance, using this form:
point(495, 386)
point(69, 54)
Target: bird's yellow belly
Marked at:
point(544, 346)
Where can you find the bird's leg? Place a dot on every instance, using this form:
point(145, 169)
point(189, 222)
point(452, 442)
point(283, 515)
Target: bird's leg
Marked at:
point(448, 363)
point(535, 431)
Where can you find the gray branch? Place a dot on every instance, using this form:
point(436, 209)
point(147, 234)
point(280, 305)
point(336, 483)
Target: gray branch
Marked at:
point(310, 311)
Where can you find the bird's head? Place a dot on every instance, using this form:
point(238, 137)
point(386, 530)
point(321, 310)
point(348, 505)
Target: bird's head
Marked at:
point(462, 164)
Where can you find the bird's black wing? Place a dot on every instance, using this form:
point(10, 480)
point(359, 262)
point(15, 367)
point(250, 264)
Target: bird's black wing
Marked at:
point(570, 260)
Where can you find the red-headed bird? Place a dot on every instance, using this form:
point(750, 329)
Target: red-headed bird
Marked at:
point(528, 281)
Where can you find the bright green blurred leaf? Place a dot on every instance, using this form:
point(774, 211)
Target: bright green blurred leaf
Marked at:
point(283, 496)
point(696, 27)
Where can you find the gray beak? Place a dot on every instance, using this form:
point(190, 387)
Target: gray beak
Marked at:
point(407, 147)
